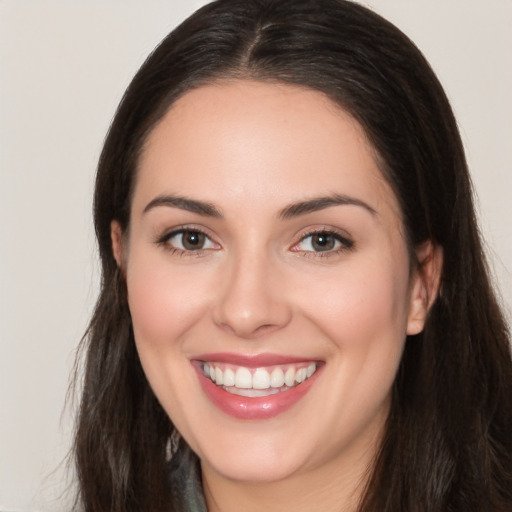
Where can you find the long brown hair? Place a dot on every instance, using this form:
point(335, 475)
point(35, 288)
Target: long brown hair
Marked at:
point(448, 441)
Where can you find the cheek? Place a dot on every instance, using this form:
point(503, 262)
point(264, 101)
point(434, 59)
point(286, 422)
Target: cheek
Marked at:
point(364, 303)
point(363, 315)
point(164, 301)
point(165, 304)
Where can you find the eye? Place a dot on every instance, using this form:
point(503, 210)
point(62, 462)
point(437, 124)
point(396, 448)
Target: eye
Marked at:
point(188, 240)
point(323, 241)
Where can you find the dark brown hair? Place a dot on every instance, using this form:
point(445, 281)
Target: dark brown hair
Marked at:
point(448, 442)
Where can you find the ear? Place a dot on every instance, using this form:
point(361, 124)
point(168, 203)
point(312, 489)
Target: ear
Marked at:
point(425, 284)
point(118, 250)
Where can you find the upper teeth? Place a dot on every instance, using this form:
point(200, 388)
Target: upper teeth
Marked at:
point(258, 378)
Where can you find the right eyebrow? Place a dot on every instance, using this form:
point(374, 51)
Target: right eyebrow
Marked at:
point(184, 203)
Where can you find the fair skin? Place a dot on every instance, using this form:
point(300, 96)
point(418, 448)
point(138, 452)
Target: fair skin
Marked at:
point(329, 283)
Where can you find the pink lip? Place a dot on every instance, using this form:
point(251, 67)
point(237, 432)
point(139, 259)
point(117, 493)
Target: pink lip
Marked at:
point(253, 408)
point(254, 361)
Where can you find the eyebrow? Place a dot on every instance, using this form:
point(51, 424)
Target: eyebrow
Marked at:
point(183, 203)
point(320, 203)
point(293, 210)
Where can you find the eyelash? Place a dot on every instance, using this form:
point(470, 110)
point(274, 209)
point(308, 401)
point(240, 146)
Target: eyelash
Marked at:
point(345, 244)
point(164, 241)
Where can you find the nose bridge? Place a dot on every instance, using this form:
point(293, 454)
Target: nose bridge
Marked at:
point(252, 301)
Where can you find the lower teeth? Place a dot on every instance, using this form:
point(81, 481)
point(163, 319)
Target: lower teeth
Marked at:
point(252, 393)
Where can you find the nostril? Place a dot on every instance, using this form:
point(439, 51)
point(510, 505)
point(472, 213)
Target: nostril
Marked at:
point(266, 329)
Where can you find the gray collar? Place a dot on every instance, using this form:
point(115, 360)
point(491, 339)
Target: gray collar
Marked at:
point(185, 478)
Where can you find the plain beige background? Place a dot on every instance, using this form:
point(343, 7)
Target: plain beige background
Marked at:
point(63, 68)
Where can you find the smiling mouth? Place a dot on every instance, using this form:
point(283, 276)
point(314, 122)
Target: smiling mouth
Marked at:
point(258, 382)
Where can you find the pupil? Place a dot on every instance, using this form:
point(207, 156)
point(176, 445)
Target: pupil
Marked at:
point(323, 242)
point(193, 240)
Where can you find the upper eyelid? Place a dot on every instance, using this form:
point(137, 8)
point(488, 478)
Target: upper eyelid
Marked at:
point(169, 233)
point(346, 242)
point(164, 241)
point(341, 234)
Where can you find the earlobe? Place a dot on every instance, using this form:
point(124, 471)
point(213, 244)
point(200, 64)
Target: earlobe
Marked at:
point(425, 285)
point(116, 235)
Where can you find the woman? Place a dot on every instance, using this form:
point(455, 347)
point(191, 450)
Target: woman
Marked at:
point(295, 308)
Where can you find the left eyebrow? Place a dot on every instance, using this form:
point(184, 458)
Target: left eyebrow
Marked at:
point(320, 203)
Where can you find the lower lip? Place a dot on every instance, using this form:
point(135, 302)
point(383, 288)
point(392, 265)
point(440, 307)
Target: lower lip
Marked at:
point(254, 408)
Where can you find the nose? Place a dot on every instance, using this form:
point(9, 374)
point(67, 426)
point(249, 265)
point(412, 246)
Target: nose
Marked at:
point(252, 301)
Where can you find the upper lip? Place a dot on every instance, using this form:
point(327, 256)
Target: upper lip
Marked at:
point(251, 361)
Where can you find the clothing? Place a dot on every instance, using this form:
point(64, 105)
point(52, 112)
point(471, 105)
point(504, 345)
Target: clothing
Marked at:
point(185, 477)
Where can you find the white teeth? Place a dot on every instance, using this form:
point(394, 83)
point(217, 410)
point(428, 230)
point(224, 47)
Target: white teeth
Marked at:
point(277, 378)
point(261, 379)
point(243, 378)
point(300, 375)
point(289, 377)
point(229, 377)
point(218, 377)
point(252, 392)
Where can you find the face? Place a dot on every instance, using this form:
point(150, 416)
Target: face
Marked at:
point(269, 282)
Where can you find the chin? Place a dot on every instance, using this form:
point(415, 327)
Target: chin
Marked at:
point(248, 468)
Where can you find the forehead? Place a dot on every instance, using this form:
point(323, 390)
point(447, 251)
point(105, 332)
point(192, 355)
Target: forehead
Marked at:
point(241, 140)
